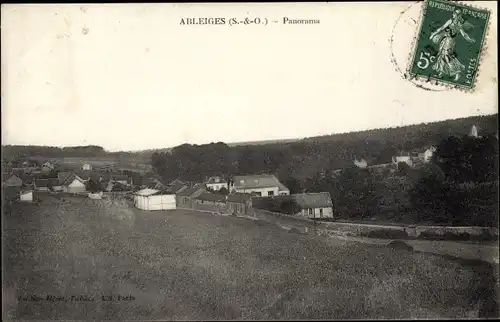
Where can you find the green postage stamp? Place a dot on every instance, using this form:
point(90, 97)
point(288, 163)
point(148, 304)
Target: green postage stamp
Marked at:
point(449, 43)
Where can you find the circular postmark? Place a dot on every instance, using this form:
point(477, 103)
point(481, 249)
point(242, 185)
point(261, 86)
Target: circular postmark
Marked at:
point(401, 42)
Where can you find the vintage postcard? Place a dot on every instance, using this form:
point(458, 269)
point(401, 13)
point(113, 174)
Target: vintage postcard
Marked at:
point(450, 43)
point(271, 161)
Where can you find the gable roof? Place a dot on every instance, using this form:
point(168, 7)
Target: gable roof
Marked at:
point(313, 200)
point(12, 179)
point(207, 196)
point(257, 181)
point(48, 164)
point(146, 192)
point(238, 197)
point(178, 187)
point(304, 200)
point(63, 175)
point(72, 177)
point(215, 179)
point(177, 182)
point(46, 182)
point(190, 191)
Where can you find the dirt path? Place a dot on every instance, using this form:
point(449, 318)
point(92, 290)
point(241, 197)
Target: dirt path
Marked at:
point(488, 253)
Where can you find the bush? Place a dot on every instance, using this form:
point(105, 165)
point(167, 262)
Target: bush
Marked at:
point(397, 244)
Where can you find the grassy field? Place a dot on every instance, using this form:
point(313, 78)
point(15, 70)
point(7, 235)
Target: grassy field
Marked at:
point(187, 265)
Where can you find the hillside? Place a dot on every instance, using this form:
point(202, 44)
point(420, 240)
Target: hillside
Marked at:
point(377, 144)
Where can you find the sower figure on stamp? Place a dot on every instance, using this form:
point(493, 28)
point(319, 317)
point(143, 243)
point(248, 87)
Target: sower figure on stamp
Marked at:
point(447, 62)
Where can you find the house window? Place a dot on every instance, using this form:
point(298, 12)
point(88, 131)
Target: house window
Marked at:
point(321, 212)
point(258, 193)
point(310, 211)
point(270, 193)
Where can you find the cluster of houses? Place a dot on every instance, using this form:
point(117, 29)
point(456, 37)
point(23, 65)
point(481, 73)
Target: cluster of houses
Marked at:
point(240, 194)
point(27, 178)
point(244, 194)
point(236, 195)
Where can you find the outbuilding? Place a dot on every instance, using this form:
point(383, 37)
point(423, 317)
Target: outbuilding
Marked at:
point(26, 196)
point(154, 199)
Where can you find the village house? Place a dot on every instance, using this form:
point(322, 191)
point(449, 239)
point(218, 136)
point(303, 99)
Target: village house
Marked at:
point(177, 182)
point(310, 205)
point(360, 163)
point(46, 184)
point(153, 199)
point(12, 180)
point(314, 205)
point(152, 183)
point(426, 156)
point(185, 197)
point(177, 187)
point(87, 167)
point(211, 199)
point(239, 203)
point(403, 157)
point(473, 132)
point(71, 183)
point(47, 167)
point(260, 185)
point(216, 183)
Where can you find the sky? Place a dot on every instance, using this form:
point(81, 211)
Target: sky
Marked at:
point(131, 77)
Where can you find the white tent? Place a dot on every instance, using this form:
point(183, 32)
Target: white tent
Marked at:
point(153, 199)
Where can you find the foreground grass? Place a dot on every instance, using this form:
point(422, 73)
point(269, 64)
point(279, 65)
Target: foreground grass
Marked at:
point(188, 265)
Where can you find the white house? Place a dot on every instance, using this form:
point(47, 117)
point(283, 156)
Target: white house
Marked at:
point(47, 167)
point(72, 183)
point(428, 154)
point(361, 163)
point(87, 167)
point(26, 196)
point(153, 199)
point(216, 183)
point(260, 185)
point(403, 157)
point(473, 131)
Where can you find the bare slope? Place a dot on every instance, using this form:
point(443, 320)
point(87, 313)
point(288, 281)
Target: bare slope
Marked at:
point(188, 265)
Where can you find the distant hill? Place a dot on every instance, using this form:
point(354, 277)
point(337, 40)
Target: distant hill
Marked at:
point(304, 158)
point(388, 139)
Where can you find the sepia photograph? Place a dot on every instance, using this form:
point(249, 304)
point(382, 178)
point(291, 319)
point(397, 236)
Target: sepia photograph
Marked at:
point(250, 161)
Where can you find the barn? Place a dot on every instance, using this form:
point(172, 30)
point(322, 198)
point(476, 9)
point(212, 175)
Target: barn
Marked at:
point(154, 199)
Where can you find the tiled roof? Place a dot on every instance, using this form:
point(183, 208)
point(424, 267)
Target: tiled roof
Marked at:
point(46, 182)
point(147, 192)
point(313, 200)
point(190, 191)
point(63, 175)
point(305, 200)
point(177, 182)
point(257, 181)
point(216, 180)
point(239, 197)
point(151, 192)
point(177, 187)
point(206, 196)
